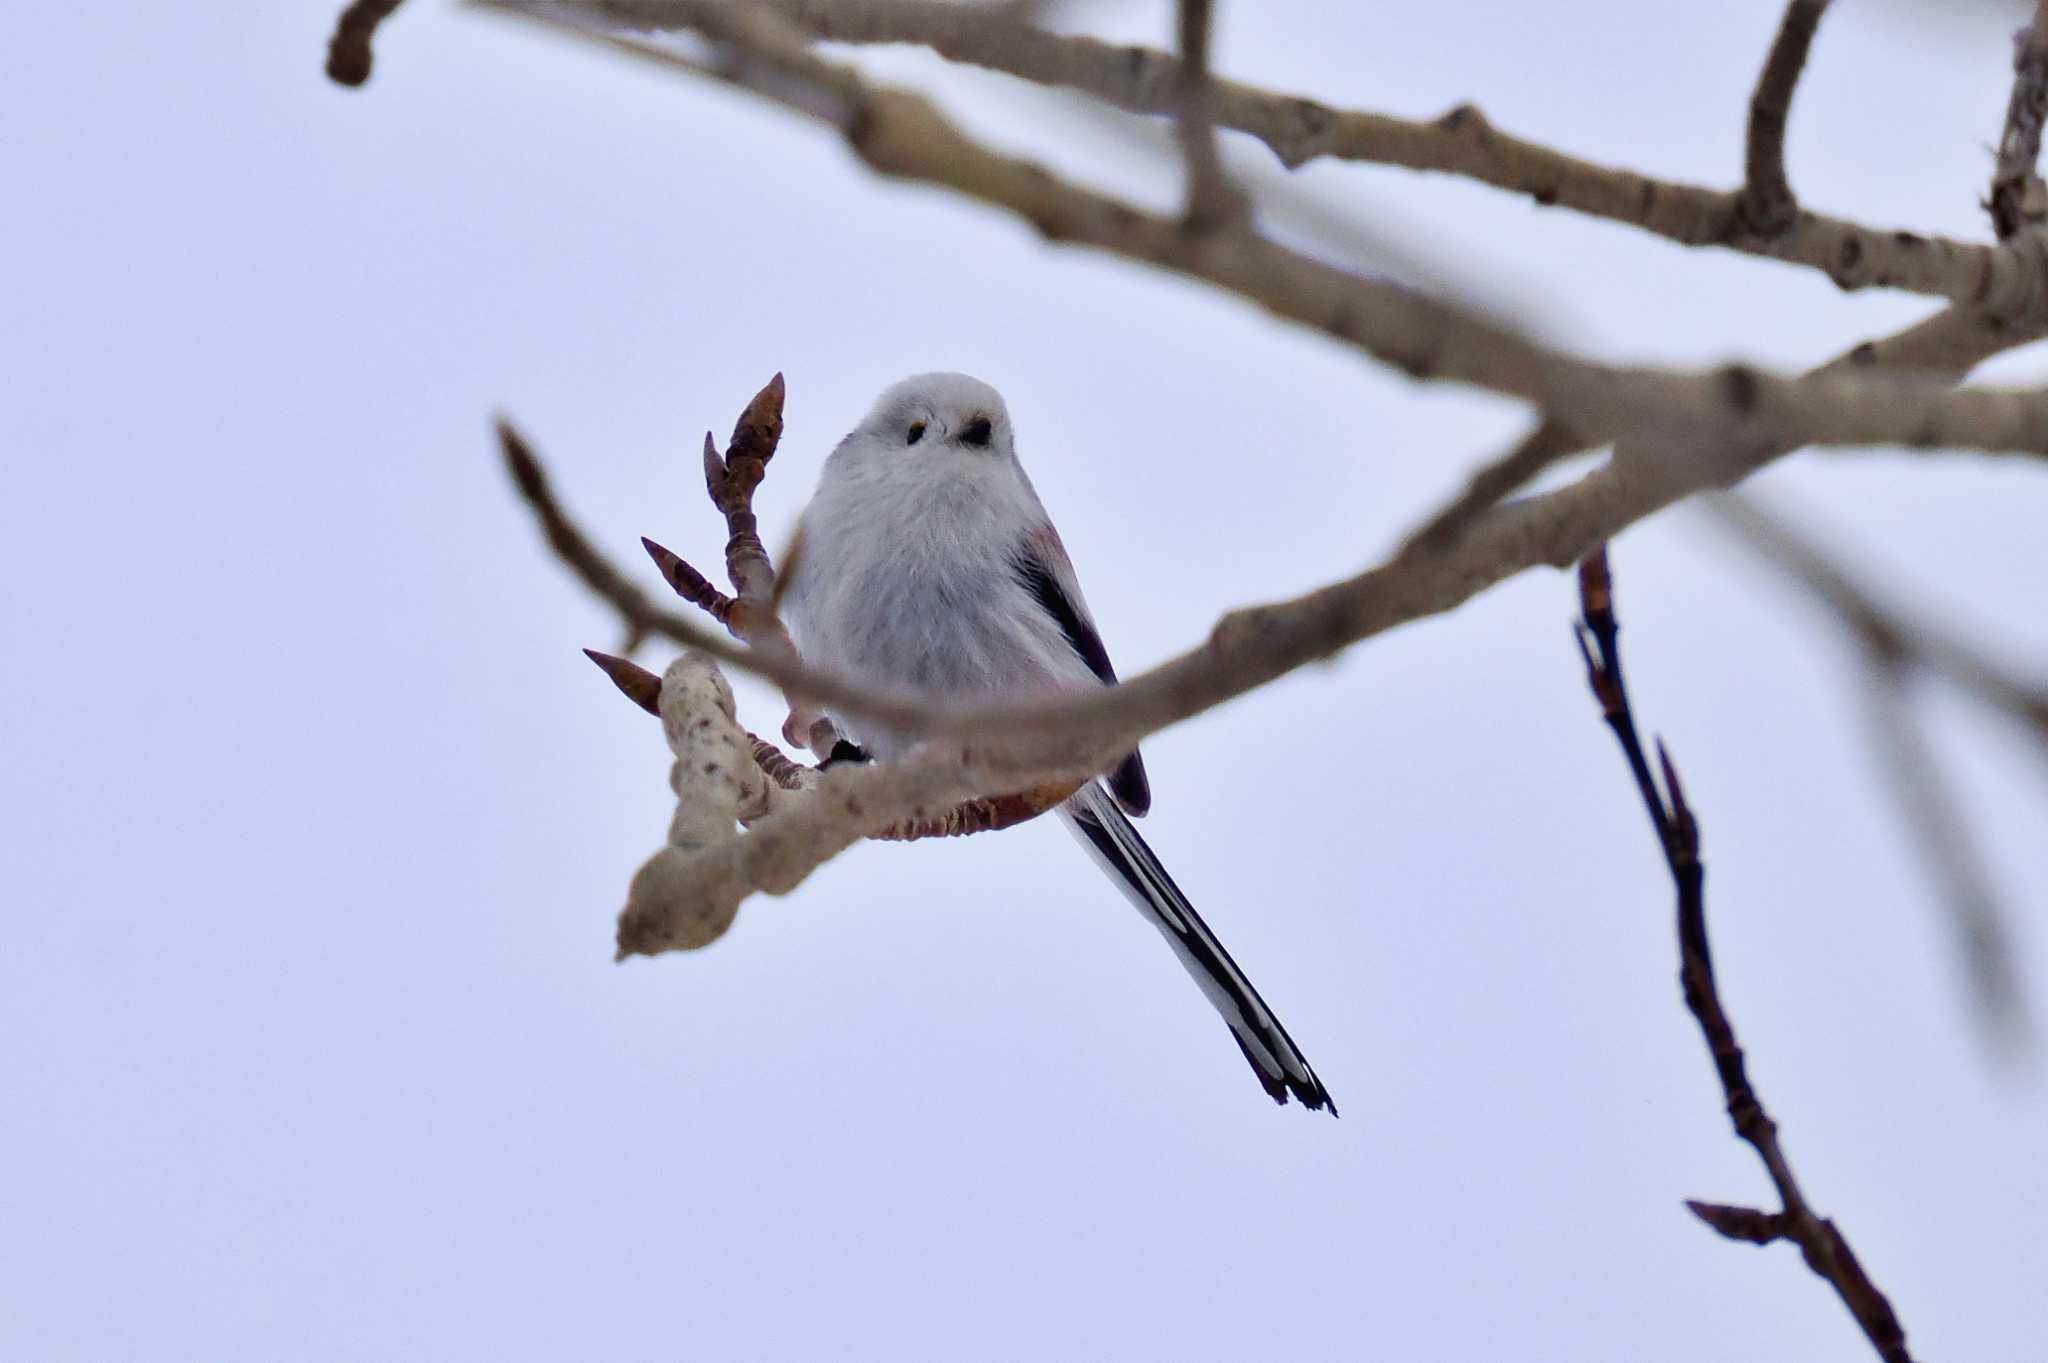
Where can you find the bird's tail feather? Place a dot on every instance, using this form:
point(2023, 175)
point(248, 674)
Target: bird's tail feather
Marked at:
point(1278, 1062)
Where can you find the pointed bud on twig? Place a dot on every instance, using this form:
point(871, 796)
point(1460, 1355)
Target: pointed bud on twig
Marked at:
point(1682, 824)
point(639, 685)
point(714, 466)
point(688, 583)
point(525, 469)
point(1740, 1223)
point(759, 428)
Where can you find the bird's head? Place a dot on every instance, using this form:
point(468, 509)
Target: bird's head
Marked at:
point(939, 416)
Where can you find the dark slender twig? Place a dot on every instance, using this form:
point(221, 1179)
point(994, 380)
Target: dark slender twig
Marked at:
point(641, 616)
point(1767, 206)
point(1820, 1242)
point(348, 51)
point(2018, 197)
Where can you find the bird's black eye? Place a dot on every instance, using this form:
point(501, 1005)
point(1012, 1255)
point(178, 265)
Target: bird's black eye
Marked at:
point(977, 432)
point(916, 432)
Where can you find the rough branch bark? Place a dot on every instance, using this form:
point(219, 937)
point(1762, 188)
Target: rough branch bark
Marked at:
point(2011, 280)
point(1822, 1244)
point(688, 893)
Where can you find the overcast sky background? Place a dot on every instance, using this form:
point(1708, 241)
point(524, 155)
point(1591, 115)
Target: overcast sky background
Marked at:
point(317, 820)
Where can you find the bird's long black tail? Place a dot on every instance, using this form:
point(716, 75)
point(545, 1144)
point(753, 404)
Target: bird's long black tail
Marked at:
point(1278, 1062)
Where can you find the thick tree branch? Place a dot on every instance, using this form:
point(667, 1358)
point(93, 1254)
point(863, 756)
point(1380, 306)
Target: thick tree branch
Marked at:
point(904, 135)
point(2011, 280)
point(1824, 1247)
point(1045, 740)
point(688, 893)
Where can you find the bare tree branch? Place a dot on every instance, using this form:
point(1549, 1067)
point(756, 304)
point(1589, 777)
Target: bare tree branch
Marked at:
point(1548, 444)
point(640, 615)
point(1033, 747)
point(2018, 198)
point(1822, 1244)
point(688, 893)
point(348, 51)
point(1766, 203)
point(1039, 741)
point(2010, 280)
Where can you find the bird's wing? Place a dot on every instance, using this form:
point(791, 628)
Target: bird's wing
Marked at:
point(1048, 574)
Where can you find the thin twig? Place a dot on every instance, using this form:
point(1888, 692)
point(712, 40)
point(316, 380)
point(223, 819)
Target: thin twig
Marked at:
point(348, 52)
point(1212, 200)
point(640, 615)
point(1549, 443)
point(2018, 198)
point(1822, 1244)
point(1767, 205)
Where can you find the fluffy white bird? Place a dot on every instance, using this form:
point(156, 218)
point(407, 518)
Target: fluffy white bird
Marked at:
point(928, 561)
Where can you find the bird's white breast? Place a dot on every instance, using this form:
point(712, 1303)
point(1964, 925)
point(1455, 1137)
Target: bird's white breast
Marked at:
point(908, 578)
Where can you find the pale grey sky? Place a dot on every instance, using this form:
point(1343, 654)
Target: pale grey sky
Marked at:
point(318, 820)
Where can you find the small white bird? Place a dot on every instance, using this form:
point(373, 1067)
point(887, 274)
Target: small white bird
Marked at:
point(928, 561)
